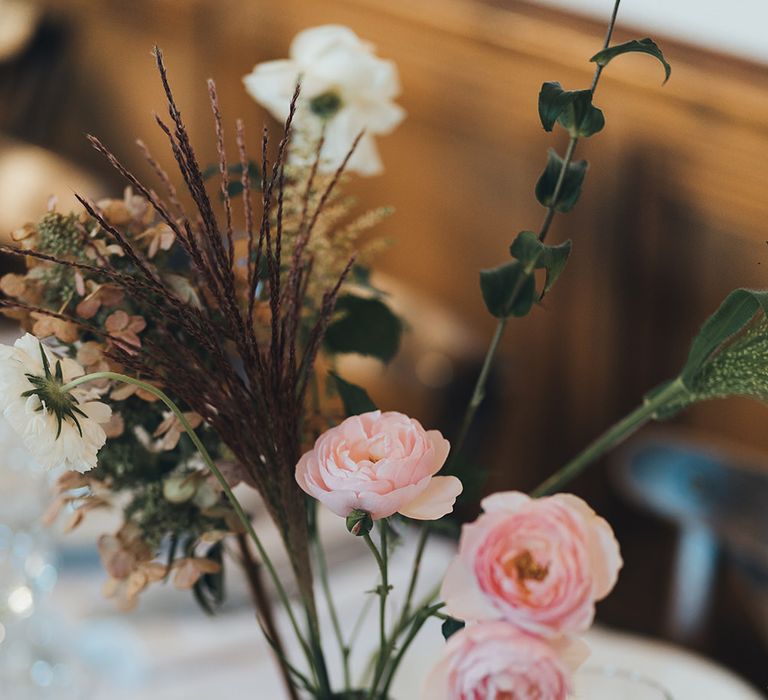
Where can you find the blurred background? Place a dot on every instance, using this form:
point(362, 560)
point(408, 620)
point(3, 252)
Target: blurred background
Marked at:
point(672, 217)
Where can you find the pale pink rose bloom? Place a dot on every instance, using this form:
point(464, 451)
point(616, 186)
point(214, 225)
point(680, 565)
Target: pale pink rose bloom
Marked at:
point(538, 563)
point(381, 463)
point(496, 661)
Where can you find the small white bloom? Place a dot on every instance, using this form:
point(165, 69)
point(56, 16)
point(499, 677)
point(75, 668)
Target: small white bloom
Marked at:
point(34, 423)
point(344, 87)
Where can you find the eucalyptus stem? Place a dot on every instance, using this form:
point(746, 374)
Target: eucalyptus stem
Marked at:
point(241, 514)
point(478, 394)
point(479, 391)
point(613, 436)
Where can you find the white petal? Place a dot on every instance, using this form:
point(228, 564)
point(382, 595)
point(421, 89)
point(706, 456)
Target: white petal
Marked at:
point(272, 85)
point(309, 45)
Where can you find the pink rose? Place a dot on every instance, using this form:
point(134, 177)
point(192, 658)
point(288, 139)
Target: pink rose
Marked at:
point(538, 563)
point(496, 660)
point(381, 463)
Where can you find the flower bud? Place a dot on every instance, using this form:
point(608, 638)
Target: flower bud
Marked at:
point(359, 523)
point(179, 488)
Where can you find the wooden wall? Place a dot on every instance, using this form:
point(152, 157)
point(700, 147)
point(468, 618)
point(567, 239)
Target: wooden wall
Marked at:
point(672, 215)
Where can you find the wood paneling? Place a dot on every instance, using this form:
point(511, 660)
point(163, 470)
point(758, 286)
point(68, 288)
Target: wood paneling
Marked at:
point(672, 215)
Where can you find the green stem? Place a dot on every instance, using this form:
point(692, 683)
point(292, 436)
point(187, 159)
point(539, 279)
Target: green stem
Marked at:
point(241, 514)
point(322, 566)
point(382, 557)
point(612, 437)
point(418, 622)
point(423, 537)
point(479, 391)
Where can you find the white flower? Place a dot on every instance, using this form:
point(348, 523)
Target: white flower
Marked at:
point(344, 86)
point(35, 418)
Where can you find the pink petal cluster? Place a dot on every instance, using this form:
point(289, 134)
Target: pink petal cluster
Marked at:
point(526, 579)
point(497, 661)
point(538, 563)
point(380, 463)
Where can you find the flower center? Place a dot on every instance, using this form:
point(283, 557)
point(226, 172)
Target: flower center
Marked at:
point(48, 389)
point(525, 568)
point(326, 104)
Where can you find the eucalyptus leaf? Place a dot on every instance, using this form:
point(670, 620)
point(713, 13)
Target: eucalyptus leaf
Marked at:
point(573, 109)
point(354, 398)
point(553, 99)
point(604, 57)
point(366, 326)
point(580, 117)
point(534, 254)
point(571, 188)
point(508, 290)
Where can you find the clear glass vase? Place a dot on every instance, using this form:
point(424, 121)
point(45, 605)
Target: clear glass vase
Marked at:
point(30, 658)
point(611, 683)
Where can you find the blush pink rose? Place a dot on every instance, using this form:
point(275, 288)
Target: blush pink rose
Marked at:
point(497, 661)
point(381, 463)
point(538, 563)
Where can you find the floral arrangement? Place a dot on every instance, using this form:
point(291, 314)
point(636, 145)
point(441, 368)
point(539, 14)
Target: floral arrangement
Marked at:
point(155, 316)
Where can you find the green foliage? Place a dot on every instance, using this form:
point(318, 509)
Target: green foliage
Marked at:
point(451, 626)
point(61, 235)
point(157, 517)
point(535, 255)
point(728, 357)
point(573, 109)
point(571, 187)
point(209, 588)
point(508, 290)
point(235, 172)
point(733, 315)
point(354, 398)
point(604, 57)
point(366, 326)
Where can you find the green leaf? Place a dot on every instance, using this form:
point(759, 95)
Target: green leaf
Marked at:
point(354, 398)
point(366, 326)
point(732, 316)
point(553, 99)
point(571, 188)
point(209, 590)
point(535, 255)
point(451, 626)
point(604, 57)
point(572, 108)
point(235, 172)
point(508, 290)
point(580, 117)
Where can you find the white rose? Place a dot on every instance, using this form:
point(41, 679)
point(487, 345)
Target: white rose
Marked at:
point(344, 87)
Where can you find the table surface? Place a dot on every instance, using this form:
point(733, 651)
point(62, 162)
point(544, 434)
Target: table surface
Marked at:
point(169, 650)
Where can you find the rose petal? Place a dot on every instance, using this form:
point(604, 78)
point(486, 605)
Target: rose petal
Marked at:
point(435, 501)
